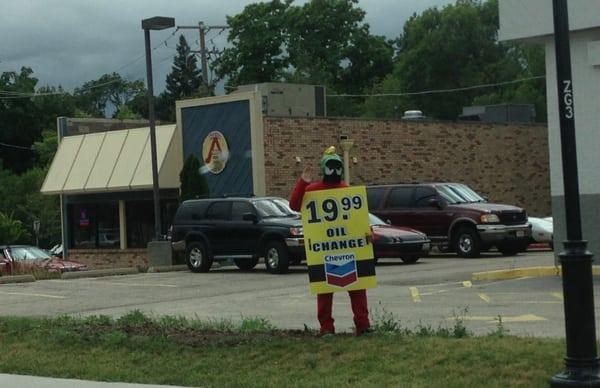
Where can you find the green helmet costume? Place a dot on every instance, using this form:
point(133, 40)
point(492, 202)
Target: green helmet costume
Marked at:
point(332, 166)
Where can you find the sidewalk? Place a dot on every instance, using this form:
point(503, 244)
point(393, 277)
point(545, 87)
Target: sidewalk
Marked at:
point(18, 381)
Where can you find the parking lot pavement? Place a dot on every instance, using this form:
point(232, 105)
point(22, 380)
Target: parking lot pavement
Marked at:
point(436, 291)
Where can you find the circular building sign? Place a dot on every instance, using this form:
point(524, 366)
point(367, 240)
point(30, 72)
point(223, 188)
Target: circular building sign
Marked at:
point(215, 152)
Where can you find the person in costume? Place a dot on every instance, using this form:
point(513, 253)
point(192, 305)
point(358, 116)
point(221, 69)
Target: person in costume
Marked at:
point(332, 168)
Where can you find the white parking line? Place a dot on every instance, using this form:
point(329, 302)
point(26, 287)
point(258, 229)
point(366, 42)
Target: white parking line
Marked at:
point(557, 295)
point(484, 297)
point(36, 295)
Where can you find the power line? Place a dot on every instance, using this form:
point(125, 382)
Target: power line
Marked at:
point(481, 86)
point(16, 147)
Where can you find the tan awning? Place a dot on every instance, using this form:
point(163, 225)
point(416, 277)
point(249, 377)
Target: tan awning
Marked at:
point(114, 161)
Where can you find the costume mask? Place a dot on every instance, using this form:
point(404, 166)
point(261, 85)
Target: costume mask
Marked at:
point(332, 166)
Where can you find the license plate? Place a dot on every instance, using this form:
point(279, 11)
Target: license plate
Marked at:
point(520, 233)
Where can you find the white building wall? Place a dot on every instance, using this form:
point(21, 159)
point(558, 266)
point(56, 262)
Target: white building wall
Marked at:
point(532, 20)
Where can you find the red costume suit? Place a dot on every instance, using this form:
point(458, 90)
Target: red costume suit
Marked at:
point(358, 298)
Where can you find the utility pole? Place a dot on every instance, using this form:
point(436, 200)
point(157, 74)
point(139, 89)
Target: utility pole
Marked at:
point(203, 29)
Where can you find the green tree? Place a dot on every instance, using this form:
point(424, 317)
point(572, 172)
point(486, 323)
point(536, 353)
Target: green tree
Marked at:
point(184, 81)
point(193, 183)
point(323, 42)
point(19, 119)
point(259, 39)
point(12, 231)
point(107, 93)
point(125, 112)
point(46, 147)
point(456, 47)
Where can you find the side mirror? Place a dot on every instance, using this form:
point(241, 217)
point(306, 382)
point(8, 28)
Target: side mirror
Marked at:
point(388, 221)
point(250, 217)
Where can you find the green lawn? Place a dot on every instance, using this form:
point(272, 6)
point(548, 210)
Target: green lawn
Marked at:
point(171, 350)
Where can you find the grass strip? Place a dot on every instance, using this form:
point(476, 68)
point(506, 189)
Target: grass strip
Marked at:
point(173, 350)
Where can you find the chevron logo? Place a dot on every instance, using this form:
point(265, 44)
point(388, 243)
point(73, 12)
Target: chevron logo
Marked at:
point(340, 270)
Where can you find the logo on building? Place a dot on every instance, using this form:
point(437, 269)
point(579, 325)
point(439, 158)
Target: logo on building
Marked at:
point(340, 270)
point(215, 152)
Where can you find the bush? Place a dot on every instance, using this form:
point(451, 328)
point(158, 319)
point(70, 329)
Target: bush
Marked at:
point(12, 231)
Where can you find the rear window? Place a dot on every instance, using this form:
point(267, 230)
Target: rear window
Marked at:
point(189, 211)
point(374, 196)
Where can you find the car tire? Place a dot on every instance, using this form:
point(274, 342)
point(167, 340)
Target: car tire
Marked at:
point(246, 264)
point(197, 257)
point(409, 259)
point(277, 257)
point(467, 242)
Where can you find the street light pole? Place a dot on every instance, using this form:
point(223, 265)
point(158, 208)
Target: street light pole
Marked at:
point(155, 23)
point(581, 362)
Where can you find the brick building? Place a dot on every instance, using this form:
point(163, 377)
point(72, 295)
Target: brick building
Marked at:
point(246, 152)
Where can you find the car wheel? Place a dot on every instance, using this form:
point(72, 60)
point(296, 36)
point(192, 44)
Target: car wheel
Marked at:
point(409, 259)
point(246, 264)
point(277, 258)
point(197, 257)
point(467, 243)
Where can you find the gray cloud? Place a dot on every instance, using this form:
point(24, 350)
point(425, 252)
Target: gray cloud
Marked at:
point(69, 42)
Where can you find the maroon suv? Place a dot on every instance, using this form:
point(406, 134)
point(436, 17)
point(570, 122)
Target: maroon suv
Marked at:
point(453, 216)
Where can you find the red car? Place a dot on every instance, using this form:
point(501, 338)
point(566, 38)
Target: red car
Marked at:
point(18, 259)
point(395, 241)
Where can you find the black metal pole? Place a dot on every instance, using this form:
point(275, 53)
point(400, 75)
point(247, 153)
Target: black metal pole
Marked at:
point(581, 361)
point(155, 190)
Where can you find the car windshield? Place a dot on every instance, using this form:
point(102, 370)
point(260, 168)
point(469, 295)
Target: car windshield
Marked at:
point(273, 208)
point(374, 220)
point(459, 193)
point(28, 253)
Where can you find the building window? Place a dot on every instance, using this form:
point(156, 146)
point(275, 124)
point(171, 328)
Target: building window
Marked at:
point(140, 221)
point(94, 225)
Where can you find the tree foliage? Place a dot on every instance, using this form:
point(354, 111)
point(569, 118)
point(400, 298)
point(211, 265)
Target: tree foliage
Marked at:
point(12, 231)
point(107, 93)
point(184, 81)
point(323, 42)
point(456, 47)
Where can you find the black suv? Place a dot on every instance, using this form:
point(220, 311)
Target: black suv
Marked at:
point(453, 216)
point(242, 229)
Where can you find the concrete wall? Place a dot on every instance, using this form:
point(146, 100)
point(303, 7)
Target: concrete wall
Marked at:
point(506, 162)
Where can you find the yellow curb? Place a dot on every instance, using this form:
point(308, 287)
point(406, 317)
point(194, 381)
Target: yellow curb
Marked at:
point(514, 273)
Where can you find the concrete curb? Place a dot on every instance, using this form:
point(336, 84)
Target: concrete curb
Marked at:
point(16, 279)
point(514, 273)
point(168, 268)
point(100, 272)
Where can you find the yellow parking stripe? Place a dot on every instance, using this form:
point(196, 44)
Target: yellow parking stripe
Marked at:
point(557, 295)
point(467, 284)
point(484, 297)
point(414, 292)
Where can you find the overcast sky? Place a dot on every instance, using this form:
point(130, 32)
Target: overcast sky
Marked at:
point(69, 42)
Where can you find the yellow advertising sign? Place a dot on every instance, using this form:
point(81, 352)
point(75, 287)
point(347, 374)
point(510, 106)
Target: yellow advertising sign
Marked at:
point(339, 253)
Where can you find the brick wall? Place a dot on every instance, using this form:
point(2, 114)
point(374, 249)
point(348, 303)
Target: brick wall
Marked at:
point(110, 258)
point(507, 163)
